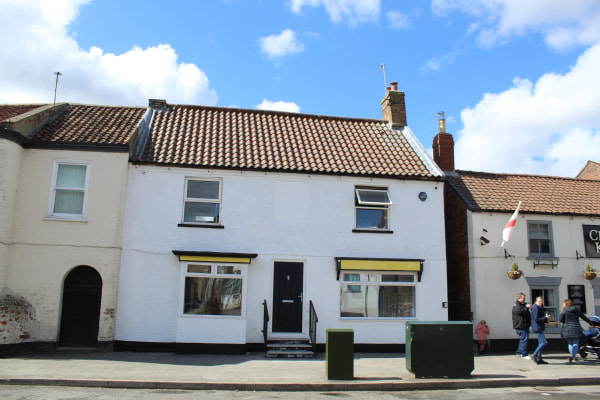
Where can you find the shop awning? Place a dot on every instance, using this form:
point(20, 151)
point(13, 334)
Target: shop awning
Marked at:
point(379, 264)
point(211, 256)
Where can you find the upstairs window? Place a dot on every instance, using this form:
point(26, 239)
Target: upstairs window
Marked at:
point(372, 208)
point(202, 201)
point(69, 190)
point(539, 234)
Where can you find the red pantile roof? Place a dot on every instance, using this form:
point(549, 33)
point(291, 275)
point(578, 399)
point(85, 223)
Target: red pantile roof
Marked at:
point(213, 137)
point(538, 194)
point(590, 171)
point(91, 125)
point(8, 111)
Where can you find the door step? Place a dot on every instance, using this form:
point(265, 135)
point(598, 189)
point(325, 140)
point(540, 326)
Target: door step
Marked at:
point(288, 348)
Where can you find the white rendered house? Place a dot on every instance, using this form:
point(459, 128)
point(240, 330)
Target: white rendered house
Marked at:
point(240, 223)
point(554, 239)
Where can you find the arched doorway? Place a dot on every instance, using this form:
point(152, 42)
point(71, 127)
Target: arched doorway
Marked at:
point(82, 294)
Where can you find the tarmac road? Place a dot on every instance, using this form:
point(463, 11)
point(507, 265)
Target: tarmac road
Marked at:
point(9, 392)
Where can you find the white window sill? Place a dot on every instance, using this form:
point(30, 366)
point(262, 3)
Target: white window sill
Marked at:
point(212, 316)
point(76, 218)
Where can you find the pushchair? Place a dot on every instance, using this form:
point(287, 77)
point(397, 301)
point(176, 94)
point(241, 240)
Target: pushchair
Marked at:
point(591, 343)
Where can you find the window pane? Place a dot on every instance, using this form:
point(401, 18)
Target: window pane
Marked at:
point(396, 301)
point(70, 176)
point(203, 189)
point(534, 229)
point(68, 202)
point(397, 278)
point(201, 212)
point(212, 296)
point(229, 270)
point(367, 196)
point(198, 269)
point(370, 218)
point(356, 277)
point(361, 303)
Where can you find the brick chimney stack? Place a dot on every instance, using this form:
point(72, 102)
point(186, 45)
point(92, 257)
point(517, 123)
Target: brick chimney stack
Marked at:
point(443, 148)
point(393, 107)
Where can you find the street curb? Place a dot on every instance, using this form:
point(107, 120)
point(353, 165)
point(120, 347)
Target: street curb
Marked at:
point(307, 387)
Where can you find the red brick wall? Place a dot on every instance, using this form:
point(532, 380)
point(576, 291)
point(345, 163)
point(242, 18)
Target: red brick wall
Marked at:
point(457, 256)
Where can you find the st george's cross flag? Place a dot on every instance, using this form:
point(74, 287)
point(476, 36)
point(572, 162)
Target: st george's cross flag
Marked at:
point(510, 225)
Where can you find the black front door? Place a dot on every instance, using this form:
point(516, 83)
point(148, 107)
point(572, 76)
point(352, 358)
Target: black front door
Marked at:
point(82, 293)
point(287, 297)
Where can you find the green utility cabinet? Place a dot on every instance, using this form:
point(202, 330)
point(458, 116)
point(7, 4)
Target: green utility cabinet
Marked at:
point(339, 354)
point(439, 349)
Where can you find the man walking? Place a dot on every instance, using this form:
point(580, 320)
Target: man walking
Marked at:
point(521, 319)
point(538, 325)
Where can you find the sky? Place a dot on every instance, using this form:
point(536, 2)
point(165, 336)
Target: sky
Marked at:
point(518, 81)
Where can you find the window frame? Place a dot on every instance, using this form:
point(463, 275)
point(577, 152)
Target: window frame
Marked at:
point(551, 328)
point(352, 287)
point(362, 204)
point(218, 202)
point(51, 214)
point(214, 266)
point(538, 237)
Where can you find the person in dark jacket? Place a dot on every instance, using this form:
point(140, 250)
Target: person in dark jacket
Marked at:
point(571, 329)
point(538, 325)
point(521, 319)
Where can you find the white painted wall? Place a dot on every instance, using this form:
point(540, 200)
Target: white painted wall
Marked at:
point(493, 293)
point(43, 251)
point(10, 162)
point(281, 217)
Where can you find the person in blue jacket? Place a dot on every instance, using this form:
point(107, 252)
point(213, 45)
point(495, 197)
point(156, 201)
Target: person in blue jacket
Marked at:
point(538, 325)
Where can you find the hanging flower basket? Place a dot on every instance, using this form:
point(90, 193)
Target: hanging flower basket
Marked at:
point(514, 274)
point(589, 275)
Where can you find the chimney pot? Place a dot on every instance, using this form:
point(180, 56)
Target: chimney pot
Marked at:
point(394, 86)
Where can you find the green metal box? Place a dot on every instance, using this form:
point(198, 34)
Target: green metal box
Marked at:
point(339, 354)
point(439, 349)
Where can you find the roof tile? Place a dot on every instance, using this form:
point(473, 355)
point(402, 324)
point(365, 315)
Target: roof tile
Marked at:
point(92, 125)
point(213, 137)
point(537, 193)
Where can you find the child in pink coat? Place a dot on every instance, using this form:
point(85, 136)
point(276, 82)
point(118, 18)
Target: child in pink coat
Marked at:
point(481, 332)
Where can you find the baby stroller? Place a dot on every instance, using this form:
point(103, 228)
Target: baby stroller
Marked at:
point(591, 343)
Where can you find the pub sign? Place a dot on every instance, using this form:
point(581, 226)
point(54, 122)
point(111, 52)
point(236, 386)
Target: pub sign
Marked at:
point(591, 238)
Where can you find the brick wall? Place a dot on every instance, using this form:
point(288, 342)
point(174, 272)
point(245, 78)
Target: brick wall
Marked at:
point(457, 256)
point(17, 318)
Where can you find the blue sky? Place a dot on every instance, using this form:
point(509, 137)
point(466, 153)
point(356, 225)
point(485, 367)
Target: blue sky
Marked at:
point(517, 80)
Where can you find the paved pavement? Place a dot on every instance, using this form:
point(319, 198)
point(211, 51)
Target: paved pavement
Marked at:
point(253, 372)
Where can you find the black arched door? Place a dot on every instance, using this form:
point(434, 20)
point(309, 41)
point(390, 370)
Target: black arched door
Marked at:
point(82, 293)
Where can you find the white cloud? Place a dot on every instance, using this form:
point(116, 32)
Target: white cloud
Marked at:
point(551, 127)
point(278, 46)
point(278, 106)
point(353, 11)
point(562, 23)
point(398, 20)
point(41, 44)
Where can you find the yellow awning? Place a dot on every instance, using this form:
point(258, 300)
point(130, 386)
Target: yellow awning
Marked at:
point(207, 256)
point(380, 264)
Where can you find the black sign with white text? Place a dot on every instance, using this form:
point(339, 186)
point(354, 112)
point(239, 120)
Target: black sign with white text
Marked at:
point(577, 294)
point(591, 238)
